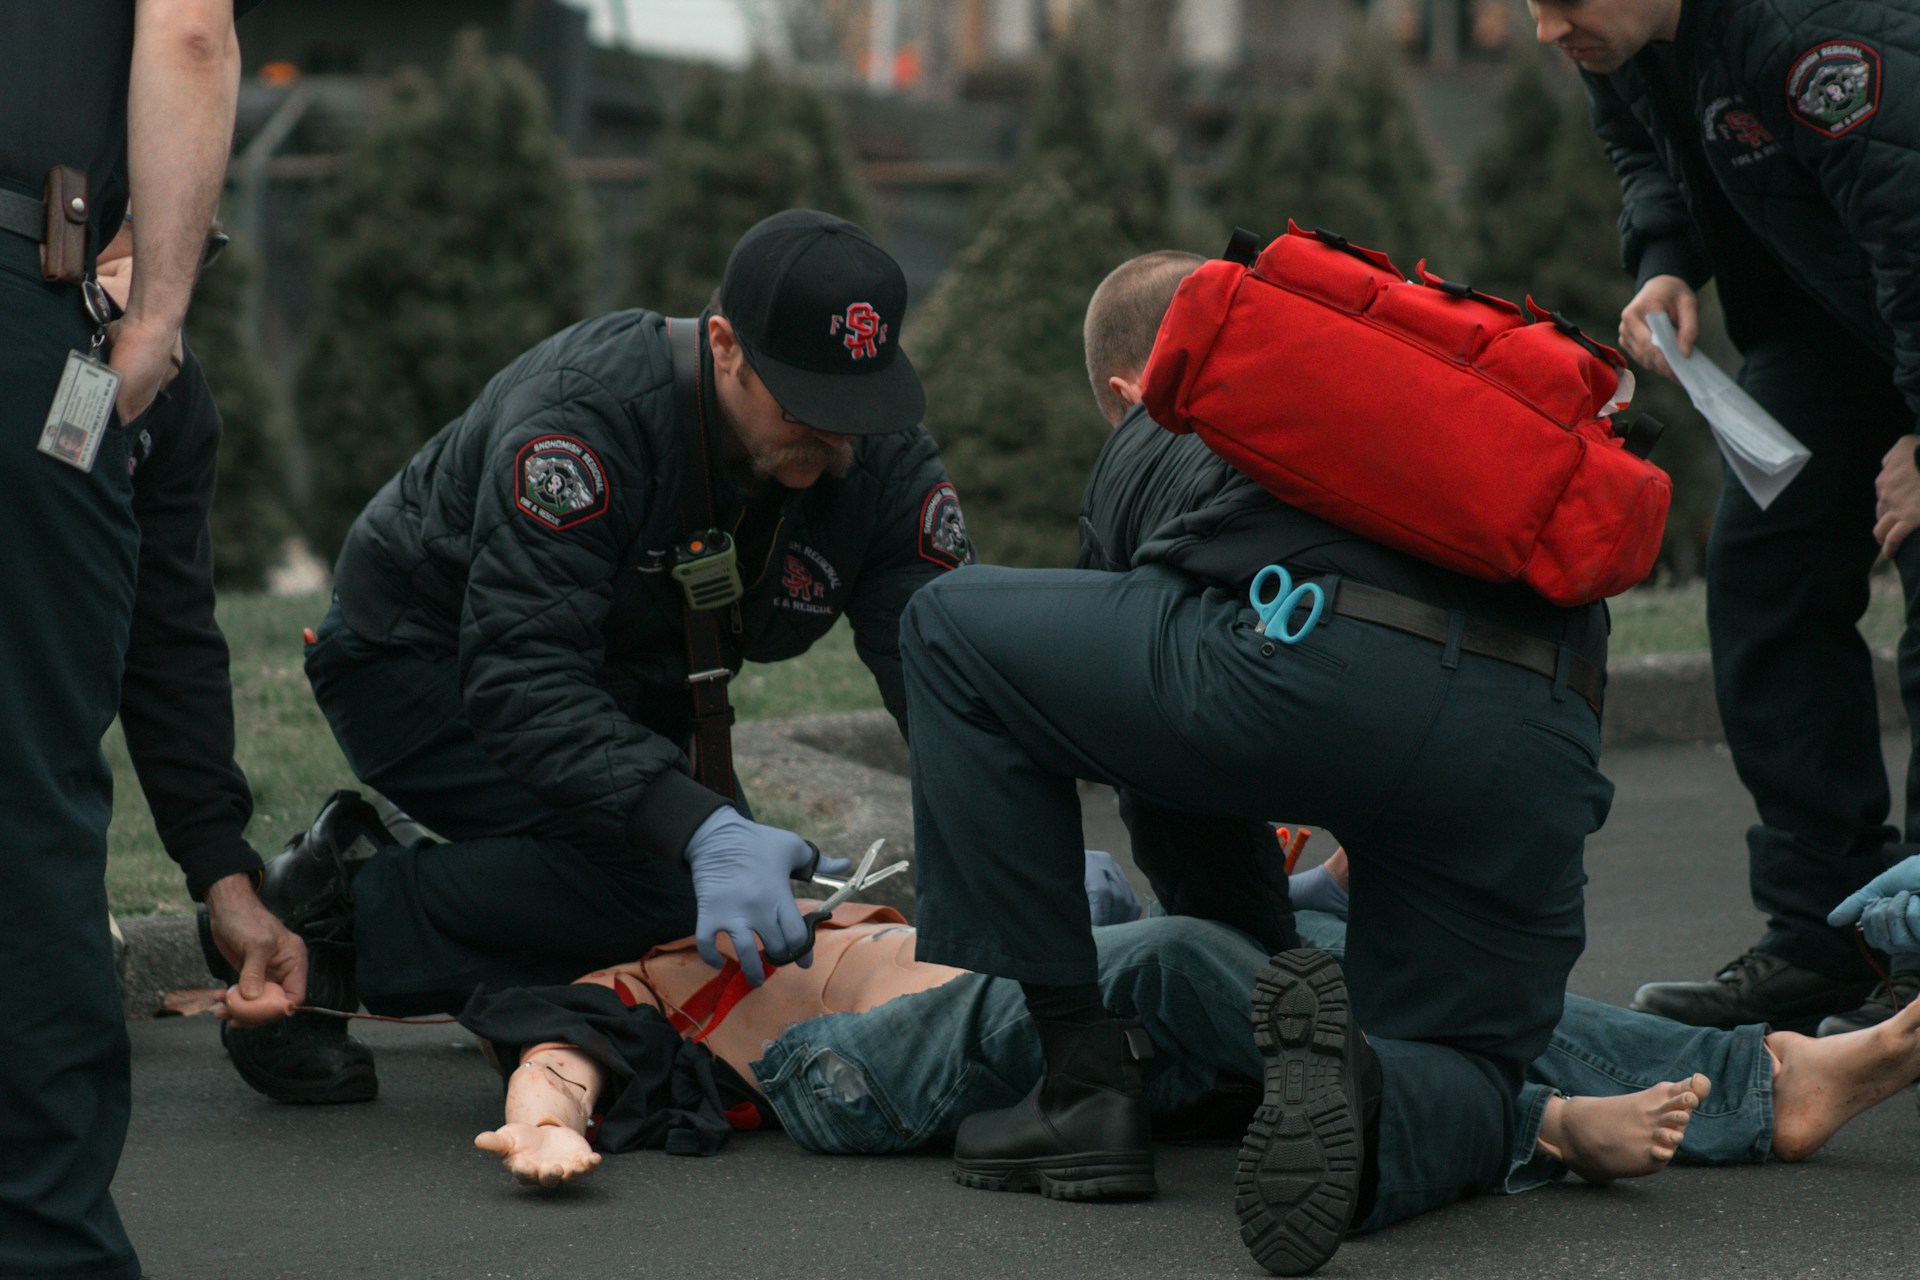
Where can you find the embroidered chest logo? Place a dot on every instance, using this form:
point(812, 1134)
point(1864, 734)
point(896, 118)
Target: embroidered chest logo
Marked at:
point(943, 530)
point(559, 482)
point(1834, 87)
point(799, 581)
point(806, 579)
point(865, 332)
point(1730, 127)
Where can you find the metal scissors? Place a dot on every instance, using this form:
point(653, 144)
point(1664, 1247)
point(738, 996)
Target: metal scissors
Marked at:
point(864, 876)
point(1276, 612)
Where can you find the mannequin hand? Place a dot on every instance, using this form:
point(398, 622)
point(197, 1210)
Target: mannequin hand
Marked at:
point(540, 1154)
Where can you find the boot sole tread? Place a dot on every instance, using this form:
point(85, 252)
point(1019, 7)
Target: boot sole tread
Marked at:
point(1090, 1176)
point(1298, 1175)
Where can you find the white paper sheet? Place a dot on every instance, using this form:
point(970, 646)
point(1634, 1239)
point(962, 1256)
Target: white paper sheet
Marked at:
point(1763, 454)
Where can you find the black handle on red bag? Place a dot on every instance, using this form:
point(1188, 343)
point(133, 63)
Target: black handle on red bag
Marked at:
point(1641, 435)
point(1243, 247)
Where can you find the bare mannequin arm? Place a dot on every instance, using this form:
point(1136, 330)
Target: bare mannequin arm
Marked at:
point(549, 1101)
point(180, 103)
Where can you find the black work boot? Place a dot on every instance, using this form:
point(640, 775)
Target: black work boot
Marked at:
point(1758, 987)
point(1879, 1005)
point(310, 1058)
point(1300, 1184)
point(1082, 1134)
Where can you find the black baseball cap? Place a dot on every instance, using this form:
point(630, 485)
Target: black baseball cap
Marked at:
point(817, 305)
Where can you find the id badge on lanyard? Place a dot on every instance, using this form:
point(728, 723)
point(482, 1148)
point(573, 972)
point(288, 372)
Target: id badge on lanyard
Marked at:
point(83, 404)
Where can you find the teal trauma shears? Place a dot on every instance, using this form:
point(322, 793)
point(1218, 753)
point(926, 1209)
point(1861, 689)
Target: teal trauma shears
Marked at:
point(1277, 611)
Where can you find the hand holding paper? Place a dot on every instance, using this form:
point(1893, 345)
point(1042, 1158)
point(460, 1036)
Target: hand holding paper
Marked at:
point(1763, 454)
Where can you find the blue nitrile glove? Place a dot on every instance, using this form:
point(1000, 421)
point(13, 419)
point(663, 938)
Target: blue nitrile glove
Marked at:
point(1108, 894)
point(1892, 924)
point(740, 873)
point(1315, 889)
point(1887, 908)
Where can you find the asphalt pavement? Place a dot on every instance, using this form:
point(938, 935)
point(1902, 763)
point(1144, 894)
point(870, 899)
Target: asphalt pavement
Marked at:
point(218, 1182)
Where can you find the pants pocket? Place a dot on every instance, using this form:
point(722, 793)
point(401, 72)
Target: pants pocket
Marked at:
point(830, 1106)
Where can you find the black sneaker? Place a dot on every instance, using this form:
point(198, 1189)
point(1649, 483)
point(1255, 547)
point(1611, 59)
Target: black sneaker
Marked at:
point(1880, 1005)
point(1758, 987)
point(1297, 1188)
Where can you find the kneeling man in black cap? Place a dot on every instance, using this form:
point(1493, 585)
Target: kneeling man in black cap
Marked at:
point(534, 623)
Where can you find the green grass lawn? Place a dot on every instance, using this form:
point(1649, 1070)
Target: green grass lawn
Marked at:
point(292, 761)
point(1674, 619)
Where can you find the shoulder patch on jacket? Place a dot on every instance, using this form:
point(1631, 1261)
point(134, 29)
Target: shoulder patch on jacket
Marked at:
point(559, 482)
point(943, 531)
point(1834, 86)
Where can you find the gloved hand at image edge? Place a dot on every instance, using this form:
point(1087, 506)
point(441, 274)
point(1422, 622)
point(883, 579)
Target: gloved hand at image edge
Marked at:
point(1109, 896)
point(741, 870)
point(1887, 909)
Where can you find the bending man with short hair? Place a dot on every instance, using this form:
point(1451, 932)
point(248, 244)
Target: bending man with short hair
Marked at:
point(1462, 785)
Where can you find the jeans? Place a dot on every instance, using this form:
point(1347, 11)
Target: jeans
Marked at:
point(907, 1073)
point(1600, 1050)
point(1604, 1051)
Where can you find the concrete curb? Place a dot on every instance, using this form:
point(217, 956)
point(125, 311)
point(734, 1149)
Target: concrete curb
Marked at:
point(1668, 697)
point(847, 773)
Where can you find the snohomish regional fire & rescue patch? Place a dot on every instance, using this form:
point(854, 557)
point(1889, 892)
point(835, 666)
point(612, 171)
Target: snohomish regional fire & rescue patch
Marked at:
point(943, 531)
point(1834, 86)
point(559, 482)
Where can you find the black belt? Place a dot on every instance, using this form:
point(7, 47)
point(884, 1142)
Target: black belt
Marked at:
point(1368, 603)
point(23, 215)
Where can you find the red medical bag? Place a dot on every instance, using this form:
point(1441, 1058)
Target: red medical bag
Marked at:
point(1420, 414)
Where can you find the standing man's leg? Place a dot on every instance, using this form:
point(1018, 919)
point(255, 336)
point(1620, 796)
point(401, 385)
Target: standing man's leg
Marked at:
point(1786, 588)
point(68, 543)
point(1904, 969)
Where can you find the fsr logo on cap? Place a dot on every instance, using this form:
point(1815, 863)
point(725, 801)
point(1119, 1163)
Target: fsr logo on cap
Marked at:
point(817, 306)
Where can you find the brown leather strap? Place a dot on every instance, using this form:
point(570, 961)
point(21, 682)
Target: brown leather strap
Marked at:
point(1367, 603)
point(707, 670)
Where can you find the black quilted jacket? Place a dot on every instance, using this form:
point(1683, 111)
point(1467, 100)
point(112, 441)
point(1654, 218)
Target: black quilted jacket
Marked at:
point(532, 537)
point(1775, 141)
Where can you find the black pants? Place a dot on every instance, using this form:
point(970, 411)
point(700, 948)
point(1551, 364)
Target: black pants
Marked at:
point(67, 547)
point(1463, 789)
point(520, 896)
point(1786, 588)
